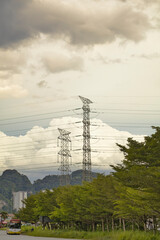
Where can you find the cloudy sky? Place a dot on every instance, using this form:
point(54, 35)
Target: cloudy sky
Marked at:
point(51, 51)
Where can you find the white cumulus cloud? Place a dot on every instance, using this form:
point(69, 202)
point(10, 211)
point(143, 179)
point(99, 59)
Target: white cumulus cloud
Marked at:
point(37, 150)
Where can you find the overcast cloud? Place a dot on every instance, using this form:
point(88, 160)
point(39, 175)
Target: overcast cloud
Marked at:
point(61, 63)
point(11, 62)
point(86, 23)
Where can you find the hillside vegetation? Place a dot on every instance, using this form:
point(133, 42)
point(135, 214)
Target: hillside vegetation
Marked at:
point(13, 181)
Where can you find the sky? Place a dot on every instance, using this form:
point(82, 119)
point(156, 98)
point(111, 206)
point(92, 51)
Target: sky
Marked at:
point(52, 51)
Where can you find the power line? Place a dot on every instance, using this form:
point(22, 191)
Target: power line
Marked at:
point(31, 143)
point(141, 96)
point(13, 151)
point(100, 137)
point(49, 130)
point(44, 127)
point(125, 113)
point(128, 110)
point(34, 120)
point(114, 125)
point(43, 167)
point(92, 125)
point(40, 114)
point(41, 153)
point(86, 137)
point(115, 137)
point(33, 164)
point(27, 157)
point(96, 137)
point(28, 143)
point(53, 166)
point(22, 150)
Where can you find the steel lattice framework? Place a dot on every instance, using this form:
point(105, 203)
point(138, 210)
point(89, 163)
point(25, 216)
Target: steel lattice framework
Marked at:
point(64, 153)
point(87, 165)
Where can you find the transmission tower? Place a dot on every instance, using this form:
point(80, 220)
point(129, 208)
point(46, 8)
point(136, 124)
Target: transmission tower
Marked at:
point(86, 175)
point(64, 153)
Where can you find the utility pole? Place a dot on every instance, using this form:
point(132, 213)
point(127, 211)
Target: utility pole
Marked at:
point(87, 166)
point(64, 153)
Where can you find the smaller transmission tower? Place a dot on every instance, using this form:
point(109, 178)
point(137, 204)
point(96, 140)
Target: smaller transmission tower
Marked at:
point(86, 140)
point(64, 153)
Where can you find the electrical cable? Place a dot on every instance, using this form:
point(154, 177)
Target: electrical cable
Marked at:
point(41, 114)
point(44, 127)
point(128, 110)
point(49, 130)
point(34, 120)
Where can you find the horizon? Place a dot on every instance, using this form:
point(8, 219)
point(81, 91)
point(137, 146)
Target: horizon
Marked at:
point(104, 50)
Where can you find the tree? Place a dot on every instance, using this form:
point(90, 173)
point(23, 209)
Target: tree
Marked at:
point(140, 174)
point(4, 215)
point(45, 203)
point(66, 209)
point(28, 213)
point(102, 199)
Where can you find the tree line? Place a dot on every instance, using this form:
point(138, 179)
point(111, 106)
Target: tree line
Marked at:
point(128, 198)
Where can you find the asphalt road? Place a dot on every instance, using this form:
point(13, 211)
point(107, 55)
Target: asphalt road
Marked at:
point(4, 236)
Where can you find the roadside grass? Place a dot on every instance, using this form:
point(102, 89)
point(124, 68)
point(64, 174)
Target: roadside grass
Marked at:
point(117, 235)
point(38, 232)
point(130, 235)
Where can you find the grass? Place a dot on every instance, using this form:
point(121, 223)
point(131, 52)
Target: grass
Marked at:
point(130, 235)
point(4, 228)
point(62, 233)
point(117, 235)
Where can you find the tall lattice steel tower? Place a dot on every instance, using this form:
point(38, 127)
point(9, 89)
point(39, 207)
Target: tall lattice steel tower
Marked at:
point(87, 165)
point(64, 153)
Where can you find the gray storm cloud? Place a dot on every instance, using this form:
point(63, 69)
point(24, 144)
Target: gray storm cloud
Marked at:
point(82, 24)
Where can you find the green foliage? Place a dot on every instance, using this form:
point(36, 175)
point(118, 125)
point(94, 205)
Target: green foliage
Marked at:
point(45, 202)
point(65, 210)
point(11, 181)
point(78, 207)
point(29, 214)
point(47, 182)
point(4, 215)
point(139, 175)
point(20, 181)
point(126, 199)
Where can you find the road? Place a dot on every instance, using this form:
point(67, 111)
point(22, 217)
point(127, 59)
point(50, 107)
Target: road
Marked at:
point(4, 236)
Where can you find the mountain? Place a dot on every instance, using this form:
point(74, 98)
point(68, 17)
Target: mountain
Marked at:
point(76, 177)
point(13, 181)
point(53, 181)
point(48, 182)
